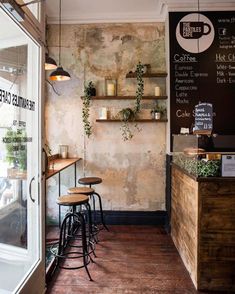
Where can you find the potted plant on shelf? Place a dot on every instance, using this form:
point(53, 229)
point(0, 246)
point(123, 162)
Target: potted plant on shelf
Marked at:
point(158, 111)
point(126, 115)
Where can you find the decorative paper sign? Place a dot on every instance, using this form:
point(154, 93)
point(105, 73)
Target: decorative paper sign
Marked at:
point(228, 165)
point(203, 118)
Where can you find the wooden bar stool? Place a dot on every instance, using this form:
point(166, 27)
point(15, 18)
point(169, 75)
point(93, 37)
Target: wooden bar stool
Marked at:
point(89, 192)
point(72, 224)
point(94, 181)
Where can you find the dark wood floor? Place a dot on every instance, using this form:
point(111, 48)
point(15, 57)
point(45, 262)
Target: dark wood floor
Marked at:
point(130, 260)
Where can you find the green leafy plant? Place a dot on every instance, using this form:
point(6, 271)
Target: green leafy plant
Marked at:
point(198, 168)
point(86, 108)
point(128, 114)
point(16, 148)
point(140, 86)
point(158, 109)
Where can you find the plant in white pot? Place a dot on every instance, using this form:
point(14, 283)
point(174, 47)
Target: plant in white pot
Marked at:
point(158, 111)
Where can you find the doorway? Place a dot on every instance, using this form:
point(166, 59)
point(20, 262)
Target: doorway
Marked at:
point(20, 145)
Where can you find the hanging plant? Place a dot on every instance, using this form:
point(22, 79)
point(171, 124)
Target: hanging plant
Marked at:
point(88, 90)
point(140, 87)
point(126, 115)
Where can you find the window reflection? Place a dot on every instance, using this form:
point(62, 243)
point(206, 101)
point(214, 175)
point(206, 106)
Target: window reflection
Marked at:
point(13, 152)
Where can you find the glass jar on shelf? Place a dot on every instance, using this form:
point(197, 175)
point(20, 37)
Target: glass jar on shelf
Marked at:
point(64, 151)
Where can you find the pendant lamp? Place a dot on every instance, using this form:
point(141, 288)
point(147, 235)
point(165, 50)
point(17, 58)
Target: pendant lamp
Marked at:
point(50, 63)
point(60, 74)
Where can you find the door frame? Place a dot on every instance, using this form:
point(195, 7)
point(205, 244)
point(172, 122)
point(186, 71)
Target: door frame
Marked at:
point(37, 33)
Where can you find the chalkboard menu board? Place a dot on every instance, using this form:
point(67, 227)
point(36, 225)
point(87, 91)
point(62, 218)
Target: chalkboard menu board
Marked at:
point(203, 118)
point(202, 68)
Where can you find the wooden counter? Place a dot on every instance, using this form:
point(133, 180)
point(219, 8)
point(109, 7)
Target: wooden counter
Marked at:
point(61, 164)
point(203, 229)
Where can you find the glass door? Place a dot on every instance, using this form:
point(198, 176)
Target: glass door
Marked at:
point(20, 223)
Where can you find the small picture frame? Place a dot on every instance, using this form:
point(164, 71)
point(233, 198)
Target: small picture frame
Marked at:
point(110, 86)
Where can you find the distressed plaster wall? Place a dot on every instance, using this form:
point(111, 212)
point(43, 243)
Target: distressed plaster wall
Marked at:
point(133, 172)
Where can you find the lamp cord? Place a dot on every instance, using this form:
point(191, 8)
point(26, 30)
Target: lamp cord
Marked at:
point(59, 33)
point(53, 88)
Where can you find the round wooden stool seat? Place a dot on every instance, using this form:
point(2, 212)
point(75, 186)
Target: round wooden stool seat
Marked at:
point(81, 190)
point(90, 181)
point(72, 199)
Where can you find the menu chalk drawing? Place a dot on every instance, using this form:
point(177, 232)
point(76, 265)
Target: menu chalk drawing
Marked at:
point(202, 68)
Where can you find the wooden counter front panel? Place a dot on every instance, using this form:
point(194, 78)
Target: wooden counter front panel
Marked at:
point(203, 229)
point(216, 268)
point(184, 219)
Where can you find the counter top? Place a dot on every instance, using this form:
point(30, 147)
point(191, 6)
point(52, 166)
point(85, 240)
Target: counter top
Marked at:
point(203, 179)
point(60, 164)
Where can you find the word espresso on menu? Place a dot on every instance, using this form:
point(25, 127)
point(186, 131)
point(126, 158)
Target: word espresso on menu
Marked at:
point(186, 77)
point(16, 100)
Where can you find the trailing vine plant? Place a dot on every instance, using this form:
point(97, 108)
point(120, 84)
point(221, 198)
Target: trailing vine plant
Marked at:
point(128, 114)
point(140, 87)
point(86, 108)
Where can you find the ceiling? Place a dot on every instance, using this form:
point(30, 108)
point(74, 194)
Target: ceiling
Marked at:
point(95, 11)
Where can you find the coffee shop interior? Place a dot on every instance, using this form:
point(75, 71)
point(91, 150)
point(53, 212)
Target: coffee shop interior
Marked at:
point(117, 148)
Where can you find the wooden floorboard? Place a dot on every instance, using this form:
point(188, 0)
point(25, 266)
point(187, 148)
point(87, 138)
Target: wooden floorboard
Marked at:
point(130, 259)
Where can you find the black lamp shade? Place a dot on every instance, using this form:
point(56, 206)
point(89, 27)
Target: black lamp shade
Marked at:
point(50, 63)
point(60, 75)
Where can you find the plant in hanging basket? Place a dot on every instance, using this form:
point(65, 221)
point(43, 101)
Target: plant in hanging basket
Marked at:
point(127, 115)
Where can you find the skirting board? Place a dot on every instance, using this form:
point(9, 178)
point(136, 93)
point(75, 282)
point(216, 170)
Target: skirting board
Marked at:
point(134, 217)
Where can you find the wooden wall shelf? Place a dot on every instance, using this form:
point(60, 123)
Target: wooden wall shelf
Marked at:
point(137, 120)
point(127, 97)
point(148, 75)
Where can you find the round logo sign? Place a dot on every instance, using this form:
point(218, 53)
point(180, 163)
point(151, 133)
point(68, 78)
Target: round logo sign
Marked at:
point(195, 33)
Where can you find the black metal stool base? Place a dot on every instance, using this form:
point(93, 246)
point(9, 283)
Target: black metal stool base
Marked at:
point(67, 235)
point(101, 212)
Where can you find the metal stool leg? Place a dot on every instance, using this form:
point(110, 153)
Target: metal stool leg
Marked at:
point(90, 230)
point(65, 237)
point(101, 211)
point(84, 246)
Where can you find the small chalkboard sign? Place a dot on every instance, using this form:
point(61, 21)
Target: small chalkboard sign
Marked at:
point(203, 118)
